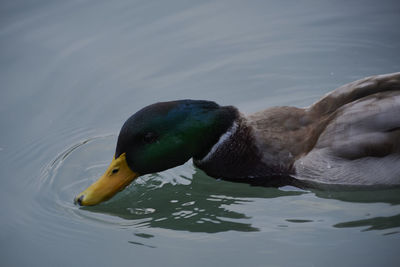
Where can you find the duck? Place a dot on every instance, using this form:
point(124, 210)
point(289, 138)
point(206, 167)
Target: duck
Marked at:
point(350, 137)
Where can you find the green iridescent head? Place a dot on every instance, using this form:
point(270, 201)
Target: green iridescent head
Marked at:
point(159, 137)
point(167, 134)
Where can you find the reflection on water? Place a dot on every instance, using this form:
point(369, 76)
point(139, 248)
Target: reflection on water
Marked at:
point(141, 244)
point(388, 195)
point(377, 223)
point(186, 199)
point(201, 206)
point(179, 199)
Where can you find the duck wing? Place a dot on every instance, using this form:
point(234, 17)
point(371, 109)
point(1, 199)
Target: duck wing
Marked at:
point(359, 143)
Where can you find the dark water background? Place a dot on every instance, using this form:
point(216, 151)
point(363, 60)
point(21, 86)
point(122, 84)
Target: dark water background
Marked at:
point(71, 72)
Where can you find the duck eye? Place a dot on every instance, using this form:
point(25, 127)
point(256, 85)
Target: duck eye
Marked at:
point(150, 137)
point(114, 171)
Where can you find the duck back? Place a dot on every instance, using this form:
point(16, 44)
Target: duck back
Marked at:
point(359, 142)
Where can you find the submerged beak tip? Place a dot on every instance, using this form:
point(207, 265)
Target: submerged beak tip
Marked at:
point(78, 200)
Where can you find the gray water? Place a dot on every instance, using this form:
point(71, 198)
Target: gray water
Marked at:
point(71, 72)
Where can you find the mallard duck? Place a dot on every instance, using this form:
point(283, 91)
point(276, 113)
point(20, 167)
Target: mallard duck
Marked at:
point(349, 137)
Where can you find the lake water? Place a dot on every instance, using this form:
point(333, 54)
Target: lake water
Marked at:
point(71, 72)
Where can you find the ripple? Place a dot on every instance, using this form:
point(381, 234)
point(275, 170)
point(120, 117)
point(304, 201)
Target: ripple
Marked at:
point(182, 198)
point(73, 170)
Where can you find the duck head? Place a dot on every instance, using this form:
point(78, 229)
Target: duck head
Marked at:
point(159, 137)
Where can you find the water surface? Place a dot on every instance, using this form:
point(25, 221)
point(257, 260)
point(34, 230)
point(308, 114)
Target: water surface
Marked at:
point(71, 72)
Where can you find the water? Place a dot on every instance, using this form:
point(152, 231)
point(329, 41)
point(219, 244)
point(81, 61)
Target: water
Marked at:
point(71, 72)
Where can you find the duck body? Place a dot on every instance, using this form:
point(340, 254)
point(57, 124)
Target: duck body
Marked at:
point(350, 137)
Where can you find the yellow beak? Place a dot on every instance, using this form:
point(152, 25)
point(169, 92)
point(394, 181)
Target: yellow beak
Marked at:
point(116, 178)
